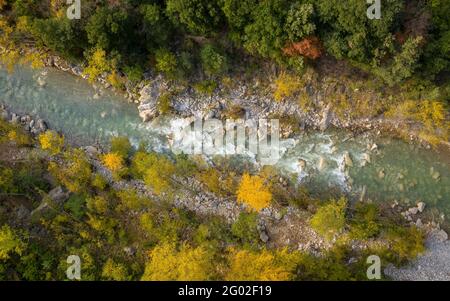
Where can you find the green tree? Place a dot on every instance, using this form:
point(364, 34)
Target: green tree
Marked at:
point(213, 61)
point(166, 62)
point(265, 35)
point(299, 22)
point(60, 35)
point(197, 16)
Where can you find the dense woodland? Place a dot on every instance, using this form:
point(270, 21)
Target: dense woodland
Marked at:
point(179, 37)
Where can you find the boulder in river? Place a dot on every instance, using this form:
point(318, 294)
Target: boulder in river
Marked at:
point(301, 164)
point(41, 125)
point(348, 160)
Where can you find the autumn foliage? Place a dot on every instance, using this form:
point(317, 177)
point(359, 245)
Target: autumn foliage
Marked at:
point(261, 266)
point(253, 192)
point(52, 142)
point(310, 47)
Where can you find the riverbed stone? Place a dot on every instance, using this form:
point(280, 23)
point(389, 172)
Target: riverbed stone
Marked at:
point(348, 160)
point(420, 206)
point(322, 164)
point(41, 125)
point(413, 210)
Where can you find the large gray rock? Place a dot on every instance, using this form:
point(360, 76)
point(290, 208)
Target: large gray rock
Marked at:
point(149, 95)
point(54, 200)
point(326, 118)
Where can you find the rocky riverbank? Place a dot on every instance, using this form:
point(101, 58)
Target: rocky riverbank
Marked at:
point(186, 102)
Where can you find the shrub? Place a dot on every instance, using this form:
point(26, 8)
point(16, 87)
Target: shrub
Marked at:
point(21, 139)
point(134, 73)
point(184, 166)
point(156, 170)
point(75, 173)
point(130, 200)
point(97, 204)
point(430, 113)
point(206, 87)
point(7, 180)
point(114, 271)
point(286, 86)
point(253, 192)
point(76, 205)
point(309, 47)
point(165, 104)
point(404, 243)
point(166, 62)
point(364, 223)
point(52, 142)
point(97, 64)
point(121, 146)
point(99, 182)
point(245, 228)
point(115, 80)
point(330, 218)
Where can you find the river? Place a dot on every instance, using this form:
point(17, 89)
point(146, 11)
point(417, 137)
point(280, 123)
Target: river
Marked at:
point(396, 171)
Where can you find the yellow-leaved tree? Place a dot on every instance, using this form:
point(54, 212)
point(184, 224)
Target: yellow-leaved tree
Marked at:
point(9, 54)
point(51, 142)
point(10, 243)
point(263, 265)
point(167, 262)
point(253, 192)
point(97, 64)
point(115, 163)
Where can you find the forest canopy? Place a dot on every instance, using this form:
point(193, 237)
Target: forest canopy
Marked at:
point(411, 39)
